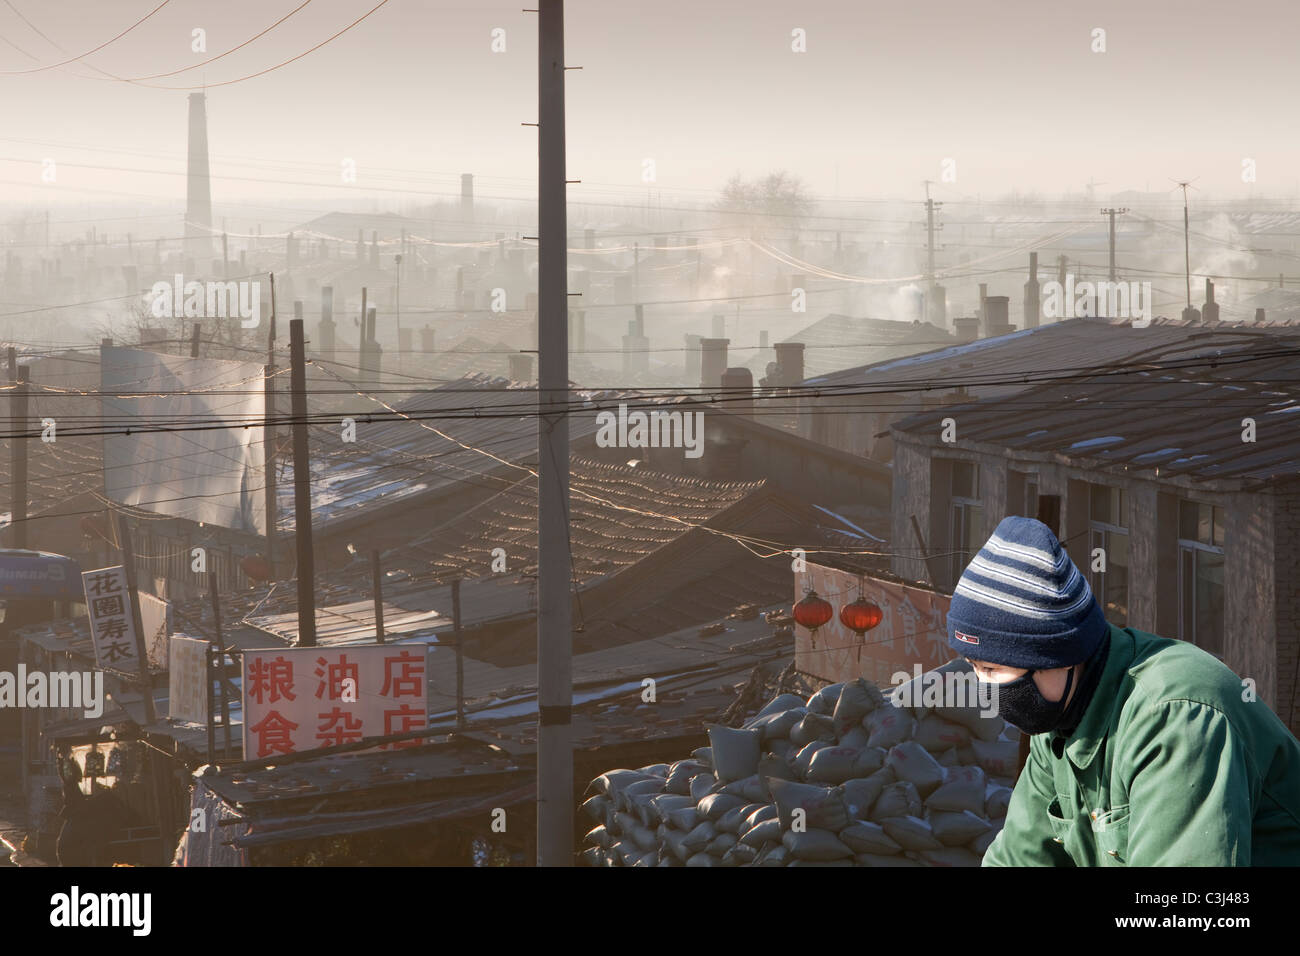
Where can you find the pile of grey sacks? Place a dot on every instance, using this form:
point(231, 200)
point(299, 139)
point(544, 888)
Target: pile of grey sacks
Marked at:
point(847, 778)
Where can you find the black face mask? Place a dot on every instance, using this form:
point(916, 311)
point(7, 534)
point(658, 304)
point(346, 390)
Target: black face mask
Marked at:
point(1020, 703)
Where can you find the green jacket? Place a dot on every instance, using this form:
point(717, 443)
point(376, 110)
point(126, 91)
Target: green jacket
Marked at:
point(1169, 766)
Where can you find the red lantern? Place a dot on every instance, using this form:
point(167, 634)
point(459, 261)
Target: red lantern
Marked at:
point(256, 568)
point(812, 612)
point(859, 617)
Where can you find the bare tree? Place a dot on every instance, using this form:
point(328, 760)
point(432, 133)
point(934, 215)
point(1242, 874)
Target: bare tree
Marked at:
point(778, 202)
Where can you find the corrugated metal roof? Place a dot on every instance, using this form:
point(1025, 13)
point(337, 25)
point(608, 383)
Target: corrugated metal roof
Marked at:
point(1083, 345)
point(1170, 423)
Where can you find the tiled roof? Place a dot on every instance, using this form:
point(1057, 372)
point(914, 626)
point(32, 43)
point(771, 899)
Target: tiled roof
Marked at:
point(841, 341)
point(618, 515)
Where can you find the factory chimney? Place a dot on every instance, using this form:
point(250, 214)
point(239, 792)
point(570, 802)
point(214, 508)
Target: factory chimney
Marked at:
point(467, 197)
point(1032, 293)
point(198, 189)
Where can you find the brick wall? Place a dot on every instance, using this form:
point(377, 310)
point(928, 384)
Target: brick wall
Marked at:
point(1286, 557)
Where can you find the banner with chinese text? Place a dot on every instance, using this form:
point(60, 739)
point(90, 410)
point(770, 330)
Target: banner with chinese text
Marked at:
point(187, 677)
point(108, 606)
point(305, 698)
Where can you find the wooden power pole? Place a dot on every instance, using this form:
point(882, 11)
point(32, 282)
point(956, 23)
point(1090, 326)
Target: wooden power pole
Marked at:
point(554, 607)
point(302, 487)
point(18, 448)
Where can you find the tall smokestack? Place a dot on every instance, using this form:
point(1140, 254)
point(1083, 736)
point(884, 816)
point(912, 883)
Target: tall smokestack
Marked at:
point(198, 188)
point(1032, 293)
point(467, 197)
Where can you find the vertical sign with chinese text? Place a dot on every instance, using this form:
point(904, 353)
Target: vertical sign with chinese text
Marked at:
point(187, 677)
point(108, 604)
point(305, 698)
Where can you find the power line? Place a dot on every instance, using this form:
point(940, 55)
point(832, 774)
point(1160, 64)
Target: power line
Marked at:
point(41, 69)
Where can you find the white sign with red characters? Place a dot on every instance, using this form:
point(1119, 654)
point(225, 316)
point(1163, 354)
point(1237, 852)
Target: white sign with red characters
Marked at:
point(305, 698)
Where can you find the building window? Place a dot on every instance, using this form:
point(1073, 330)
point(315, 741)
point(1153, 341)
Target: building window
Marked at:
point(1108, 530)
point(1200, 575)
point(967, 529)
point(1022, 493)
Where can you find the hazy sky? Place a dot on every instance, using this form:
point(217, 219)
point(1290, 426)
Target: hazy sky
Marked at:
point(415, 96)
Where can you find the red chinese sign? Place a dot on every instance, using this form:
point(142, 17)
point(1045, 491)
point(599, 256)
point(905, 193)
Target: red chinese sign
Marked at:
point(305, 698)
point(913, 630)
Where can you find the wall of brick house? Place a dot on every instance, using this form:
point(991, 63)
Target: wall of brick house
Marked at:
point(1249, 584)
point(1286, 564)
point(911, 497)
point(1262, 571)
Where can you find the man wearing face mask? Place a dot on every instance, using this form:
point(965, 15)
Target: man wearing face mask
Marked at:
point(1143, 751)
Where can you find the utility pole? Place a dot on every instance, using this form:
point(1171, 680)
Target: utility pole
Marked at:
point(931, 313)
point(133, 593)
point(270, 337)
point(18, 449)
point(195, 339)
point(397, 292)
point(363, 347)
point(930, 205)
point(554, 608)
point(269, 440)
point(220, 649)
point(377, 586)
point(302, 488)
point(1187, 249)
point(460, 656)
point(1112, 213)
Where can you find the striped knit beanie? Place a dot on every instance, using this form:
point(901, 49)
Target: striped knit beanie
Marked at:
point(1022, 603)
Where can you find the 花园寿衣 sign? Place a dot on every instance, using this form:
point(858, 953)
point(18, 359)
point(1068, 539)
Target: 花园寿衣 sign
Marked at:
point(108, 605)
point(306, 698)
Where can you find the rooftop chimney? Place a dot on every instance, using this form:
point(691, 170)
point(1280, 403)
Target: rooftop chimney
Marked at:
point(738, 391)
point(1211, 311)
point(713, 361)
point(789, 359)
point(692, 358)
point(521, 368)
point(966, 327)
point(1259, 316)
point(996, 310)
